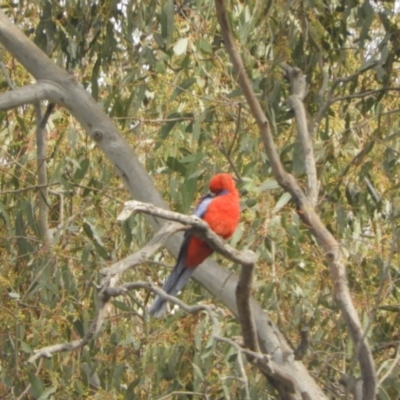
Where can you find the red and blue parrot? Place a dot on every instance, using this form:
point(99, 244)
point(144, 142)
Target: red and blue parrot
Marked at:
point(220, 209)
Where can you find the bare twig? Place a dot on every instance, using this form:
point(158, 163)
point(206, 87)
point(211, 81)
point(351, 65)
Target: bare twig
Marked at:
point(239, 350)
point(123, 289)
point(199, 227)
point(6, 75)
point(356, 161)
point(43, 200)
point(28, 388)
point(106, 290)
point(364, 94)
point(330, 99)
point(26, 189)
point(265, 364)
point(393, 365)
point(307, 214)
point(302, 348)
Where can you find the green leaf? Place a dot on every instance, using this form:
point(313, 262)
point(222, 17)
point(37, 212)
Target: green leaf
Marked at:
point(26, 348)
point(167, 127)
point(159, 40)
point(174, 164)
point(94, 235)
point(167, 21)
point(81, 171)
point(184, 85)
point(283, 200)
point(141, 92)
point(121, 305)
point(204, 46)
point(47, 393)
point(269, 184)
point(148, 54)
point(189, 191)
point(37, 387)
point(181, 46)
point(4, 213)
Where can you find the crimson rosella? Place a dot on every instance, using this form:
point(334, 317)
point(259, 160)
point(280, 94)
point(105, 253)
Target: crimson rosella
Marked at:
point(220, 209)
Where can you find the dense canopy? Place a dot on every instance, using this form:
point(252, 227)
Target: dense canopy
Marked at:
point(163, 73)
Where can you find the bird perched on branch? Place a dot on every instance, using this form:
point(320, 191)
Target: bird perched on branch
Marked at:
point(220, 209)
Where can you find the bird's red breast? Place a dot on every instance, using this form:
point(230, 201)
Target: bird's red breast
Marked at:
point(222, 215)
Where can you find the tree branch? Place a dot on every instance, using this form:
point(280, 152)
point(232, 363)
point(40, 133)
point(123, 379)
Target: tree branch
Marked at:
point(247, 259)
point(198, 226)
point(299, 90)
point(66, 91)
point(265, 364)
point(43, 199)
point(306, 212)
point(329, 100)
point(105, 291)
point(243, 296)
point(29, 94)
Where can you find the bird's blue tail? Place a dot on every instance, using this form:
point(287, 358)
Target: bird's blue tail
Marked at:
point(173, 285)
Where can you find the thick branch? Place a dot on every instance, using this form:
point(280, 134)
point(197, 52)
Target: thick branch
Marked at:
point(29, 94)
point(299, 89)
point(218, 281)
point(243, 296)
point(246, 259)
point(307, 214)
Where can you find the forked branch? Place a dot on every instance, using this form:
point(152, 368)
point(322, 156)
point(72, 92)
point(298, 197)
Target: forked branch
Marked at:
point(306, 212)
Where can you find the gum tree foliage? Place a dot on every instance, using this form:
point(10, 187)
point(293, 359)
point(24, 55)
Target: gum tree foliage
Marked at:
point(161, 72)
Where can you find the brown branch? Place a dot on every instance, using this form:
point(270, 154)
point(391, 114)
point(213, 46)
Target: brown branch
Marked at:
point(6, 75)
point(362, 94)
point(356, 161)
point(330, 99)
point(243, 296)
point(198, 226)
point(123, 289)
point(306, 212)
point(104, 293)
point(299, 90)
point(265, 364)
point(36, 187)
point(43, 198)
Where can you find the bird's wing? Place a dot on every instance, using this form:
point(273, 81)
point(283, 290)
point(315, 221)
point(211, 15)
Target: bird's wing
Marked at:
point(202, 206)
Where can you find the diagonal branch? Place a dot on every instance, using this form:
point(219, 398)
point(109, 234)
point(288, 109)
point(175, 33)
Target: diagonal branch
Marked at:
point(247, 259)
point(199, 227)
point(306, 212)
point(265, 364)
point(324, 105)
point(64, 90)
point(105, 291)
point(30, 94)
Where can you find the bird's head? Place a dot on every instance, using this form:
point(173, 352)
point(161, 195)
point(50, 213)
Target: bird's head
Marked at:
point(221, 182)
